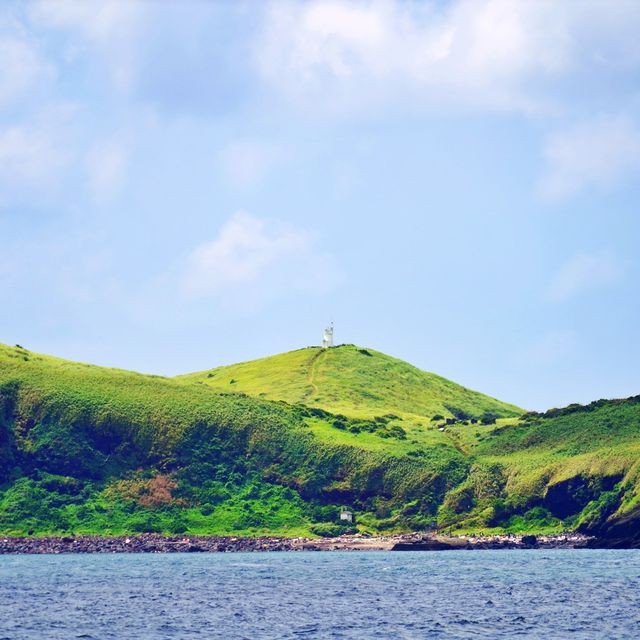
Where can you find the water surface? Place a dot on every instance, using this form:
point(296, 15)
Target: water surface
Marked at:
point(455, 594)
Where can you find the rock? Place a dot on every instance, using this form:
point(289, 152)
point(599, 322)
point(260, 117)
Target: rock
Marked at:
point(619, 531)
point(155, 543)
point(427, 543)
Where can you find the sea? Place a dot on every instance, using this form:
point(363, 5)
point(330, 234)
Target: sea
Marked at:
point(448, 594)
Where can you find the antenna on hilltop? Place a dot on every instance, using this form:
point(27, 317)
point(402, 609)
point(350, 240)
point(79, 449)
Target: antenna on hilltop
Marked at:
point(327, 337)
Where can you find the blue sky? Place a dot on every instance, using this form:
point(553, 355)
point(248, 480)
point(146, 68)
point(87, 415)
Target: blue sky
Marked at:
point(184, 185)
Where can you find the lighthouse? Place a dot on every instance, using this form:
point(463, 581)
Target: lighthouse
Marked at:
point(327, 337)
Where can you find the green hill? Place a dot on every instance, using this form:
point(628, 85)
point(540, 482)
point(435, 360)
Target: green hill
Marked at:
point(279, 445)
point(354, 381)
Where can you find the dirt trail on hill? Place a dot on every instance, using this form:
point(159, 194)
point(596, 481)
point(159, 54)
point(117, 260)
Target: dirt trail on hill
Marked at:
point(455, 442)
point(312, 372)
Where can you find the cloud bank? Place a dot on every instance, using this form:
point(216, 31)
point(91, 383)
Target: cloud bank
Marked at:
point(248, 256)
point(496, 54)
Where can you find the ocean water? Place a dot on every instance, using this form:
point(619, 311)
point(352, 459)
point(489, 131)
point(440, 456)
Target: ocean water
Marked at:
point(455, 594)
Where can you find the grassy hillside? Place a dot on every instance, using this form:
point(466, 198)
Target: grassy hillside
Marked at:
point(279, 445)
point(576, 467)
point(353, 381)
point(90, 449)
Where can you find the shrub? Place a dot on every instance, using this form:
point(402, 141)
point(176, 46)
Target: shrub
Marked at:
point(146, 523)
point(459, 414)
point(398, 432)
point(331, 530)
point(460, 500)
point(207, 509)
point(488, 481)
point(488, 418)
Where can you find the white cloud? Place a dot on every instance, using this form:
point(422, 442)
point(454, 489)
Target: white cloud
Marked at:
point(341, 55)
point(38, 151)
point(247, 162)
point(22, 69)
point(584, 272)
point(600, 153)
point(108, 25)
point(106, 167)
point(30, 155)
point(97, 21)
point(250, 257)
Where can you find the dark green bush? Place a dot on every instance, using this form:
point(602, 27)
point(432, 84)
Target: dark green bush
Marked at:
point(331, 530)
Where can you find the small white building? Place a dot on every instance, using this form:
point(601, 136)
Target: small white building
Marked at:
point(346, 515)
point(327, 337)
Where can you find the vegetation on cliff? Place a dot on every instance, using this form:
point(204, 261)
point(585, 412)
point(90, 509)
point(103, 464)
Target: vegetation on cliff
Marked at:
point(281, 445)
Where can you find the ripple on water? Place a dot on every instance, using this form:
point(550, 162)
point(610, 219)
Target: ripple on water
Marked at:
point(493, 594)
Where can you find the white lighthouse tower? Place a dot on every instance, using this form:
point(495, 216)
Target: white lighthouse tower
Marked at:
point(327, 337)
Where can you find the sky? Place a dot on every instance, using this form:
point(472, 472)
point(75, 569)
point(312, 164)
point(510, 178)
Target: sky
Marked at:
point(190, 184)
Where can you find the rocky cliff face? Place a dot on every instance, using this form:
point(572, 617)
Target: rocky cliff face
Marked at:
point(619, 531)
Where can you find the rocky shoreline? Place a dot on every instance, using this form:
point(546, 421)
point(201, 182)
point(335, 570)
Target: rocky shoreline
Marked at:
point(143, 543)
point(155, 543)
point(444, 543)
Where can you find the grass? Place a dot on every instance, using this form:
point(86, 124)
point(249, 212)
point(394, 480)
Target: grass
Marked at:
point(58, 505)
point(94, 427)
point(278, 445)
point(353, 381)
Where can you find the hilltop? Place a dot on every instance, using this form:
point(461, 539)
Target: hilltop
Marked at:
point(280, 445)
point(355, 381)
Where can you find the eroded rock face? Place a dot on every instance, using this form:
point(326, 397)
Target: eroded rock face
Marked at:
point(600, 519)
point(568, 497)
point(619, 532)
